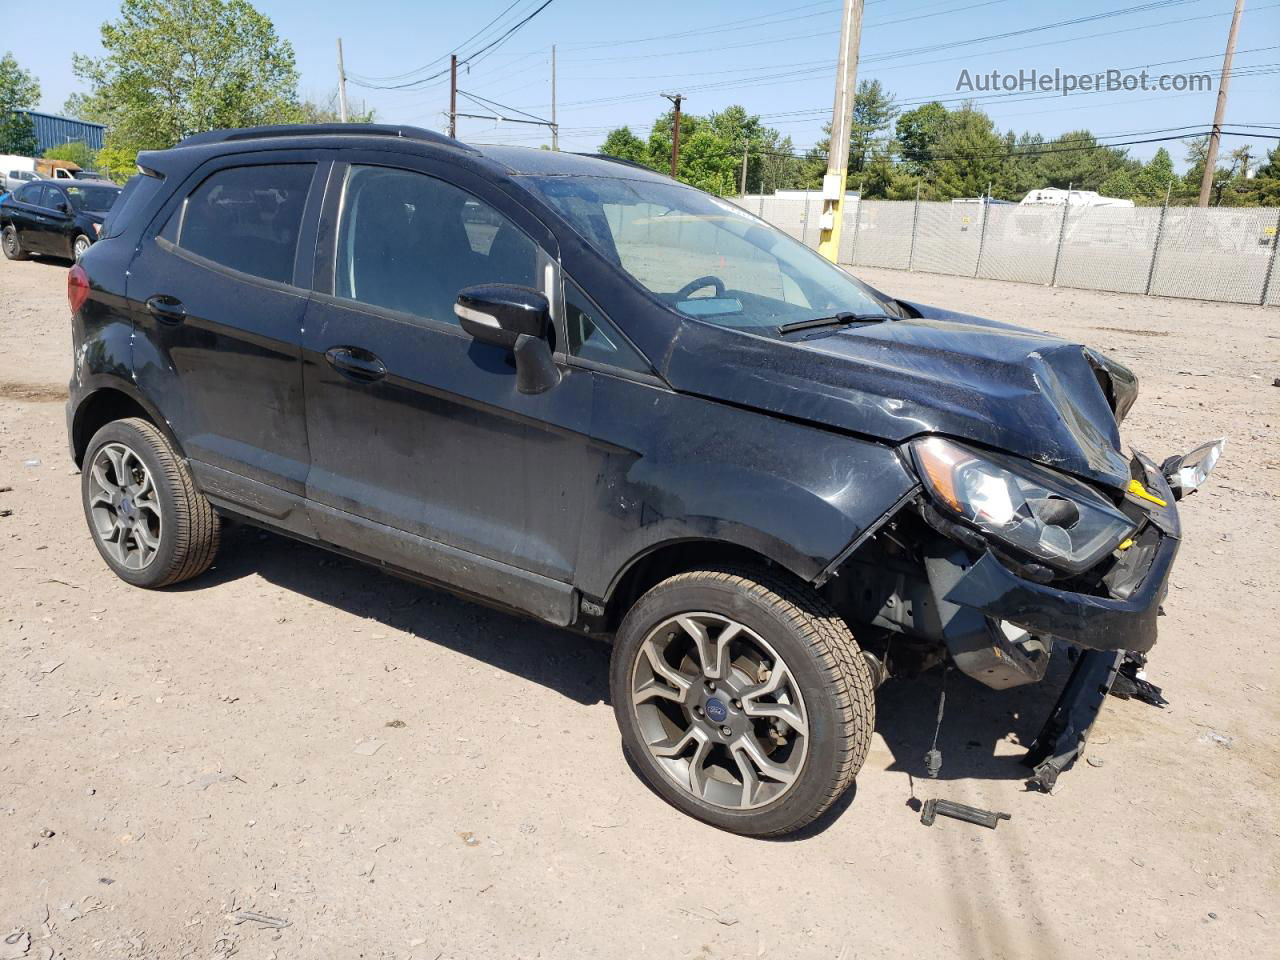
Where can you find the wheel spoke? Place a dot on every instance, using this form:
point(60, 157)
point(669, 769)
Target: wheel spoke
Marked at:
point(697, 766)
point(710, 652)
point(115, 456)
point(661, 668)
point(100, 478)
point(750, 747)
point(785, 712)
point(673, 748)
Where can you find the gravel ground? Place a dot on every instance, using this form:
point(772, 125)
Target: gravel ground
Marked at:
point(398, 773)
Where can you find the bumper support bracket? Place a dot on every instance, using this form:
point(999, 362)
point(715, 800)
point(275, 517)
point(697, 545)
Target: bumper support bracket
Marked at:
point(1066, 731)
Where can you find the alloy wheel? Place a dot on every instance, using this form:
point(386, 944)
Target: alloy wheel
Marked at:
point(719, 710)
point(80, 247)
point(11, 241)
point(124, 506)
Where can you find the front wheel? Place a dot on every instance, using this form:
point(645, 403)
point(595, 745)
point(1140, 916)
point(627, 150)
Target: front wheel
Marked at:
point(743, 699)
point(80, 246)
point(12, 244)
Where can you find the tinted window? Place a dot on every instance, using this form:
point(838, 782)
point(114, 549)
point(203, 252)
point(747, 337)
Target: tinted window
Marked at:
point(30, 194)
point(593, 337)
point(247, 218)
point(92, 199)
point(135, 195)
point(410, 242)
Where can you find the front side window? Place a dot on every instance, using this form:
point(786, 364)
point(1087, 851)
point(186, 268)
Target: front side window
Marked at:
point(247, 218)
point(30, 194)
point(703, 256)
point(409, 242)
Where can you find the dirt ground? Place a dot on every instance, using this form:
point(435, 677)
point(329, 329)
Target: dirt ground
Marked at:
point(398, 773)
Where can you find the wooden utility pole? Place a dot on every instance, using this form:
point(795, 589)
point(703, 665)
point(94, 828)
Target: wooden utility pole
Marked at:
point(746, 153)
point(453, 94)
point(833, 184)
point(1211, 158)
point(676, 99)
point(344, 114)
point(555, 128)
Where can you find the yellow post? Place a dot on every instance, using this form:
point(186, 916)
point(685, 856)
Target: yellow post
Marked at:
point(829, 239)
point(833, 183)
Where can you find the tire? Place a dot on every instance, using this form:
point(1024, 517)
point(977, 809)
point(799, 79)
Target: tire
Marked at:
point(79, 246)
point(11, 242)
point(826, 702)
point(151, 534)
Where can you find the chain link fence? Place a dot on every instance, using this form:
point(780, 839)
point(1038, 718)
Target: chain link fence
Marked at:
point(1222, 254)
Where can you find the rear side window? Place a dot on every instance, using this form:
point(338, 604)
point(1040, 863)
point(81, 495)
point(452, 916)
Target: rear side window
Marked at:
point(248, 218)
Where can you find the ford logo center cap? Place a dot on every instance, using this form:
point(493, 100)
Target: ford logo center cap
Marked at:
point(717, 712)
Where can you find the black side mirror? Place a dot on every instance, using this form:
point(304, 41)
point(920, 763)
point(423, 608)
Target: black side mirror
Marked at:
point(62, 206)
point(518, 319)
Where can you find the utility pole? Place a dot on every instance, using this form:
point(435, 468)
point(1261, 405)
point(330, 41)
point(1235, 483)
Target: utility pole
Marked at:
point(746, 150)
point(344, 114)
point(833, 184)
point(1211, 158)
point(676, 99)
point(555, 128)
point(453, 95)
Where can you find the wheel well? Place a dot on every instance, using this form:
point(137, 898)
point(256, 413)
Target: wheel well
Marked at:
point(667, 561)
point(99, 409)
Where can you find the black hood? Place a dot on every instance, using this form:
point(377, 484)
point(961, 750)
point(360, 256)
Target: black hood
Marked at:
point(1005, 387)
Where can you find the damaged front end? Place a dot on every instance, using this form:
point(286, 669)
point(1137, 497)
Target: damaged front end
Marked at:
point(998, 559)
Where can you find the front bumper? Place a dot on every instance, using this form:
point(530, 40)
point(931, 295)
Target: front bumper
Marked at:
point(1125, 620)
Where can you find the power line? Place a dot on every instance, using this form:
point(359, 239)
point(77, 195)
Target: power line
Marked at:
point(427, 66)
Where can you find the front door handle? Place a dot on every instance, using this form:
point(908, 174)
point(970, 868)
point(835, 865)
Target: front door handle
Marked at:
point(357, 364)
point(166, 309)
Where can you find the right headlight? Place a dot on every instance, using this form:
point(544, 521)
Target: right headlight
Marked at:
point(1049, 516)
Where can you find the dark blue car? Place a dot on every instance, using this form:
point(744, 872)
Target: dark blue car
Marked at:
point(62, 218)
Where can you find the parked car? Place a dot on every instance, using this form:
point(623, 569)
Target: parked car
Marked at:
point(626, 408)
point(11, 180)
point(58, 217)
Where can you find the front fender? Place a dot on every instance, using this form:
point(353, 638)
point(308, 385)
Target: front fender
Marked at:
point(679, 467)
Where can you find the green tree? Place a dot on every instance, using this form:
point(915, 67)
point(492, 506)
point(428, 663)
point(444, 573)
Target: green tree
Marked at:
point(968, 157)
point(625, 145)
point(709, 162)
point(19, 91)
point(1151, 183)
point(917, 131)
point(874, 109)
point(77, 151)
point(326, 111)
point(1075, 159)
point(176, 67)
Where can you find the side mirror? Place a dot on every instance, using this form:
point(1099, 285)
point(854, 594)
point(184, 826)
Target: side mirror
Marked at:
point(515, 318)
point(62, 206)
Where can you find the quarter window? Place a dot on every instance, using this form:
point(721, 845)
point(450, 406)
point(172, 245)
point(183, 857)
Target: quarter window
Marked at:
point(248, 218)
point(593, 337)
point(409, 242)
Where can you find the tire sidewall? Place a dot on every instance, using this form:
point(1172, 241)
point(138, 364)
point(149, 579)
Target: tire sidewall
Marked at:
point(12, 243)
point(825, 751)
point(157, 571)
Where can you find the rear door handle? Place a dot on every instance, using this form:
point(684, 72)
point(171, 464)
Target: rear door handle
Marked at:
point(166, 309)
point(357, 364)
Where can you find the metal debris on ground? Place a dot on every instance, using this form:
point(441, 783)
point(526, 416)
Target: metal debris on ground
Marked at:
point(1131, 682)
point(242, 916)
point(960, 811)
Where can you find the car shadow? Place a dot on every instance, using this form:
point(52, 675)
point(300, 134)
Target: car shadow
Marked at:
point(571, 664)
point(984, 733)
point(981, 727)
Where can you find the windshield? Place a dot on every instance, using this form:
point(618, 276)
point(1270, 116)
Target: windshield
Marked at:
point(705, 257)
point(92, 199)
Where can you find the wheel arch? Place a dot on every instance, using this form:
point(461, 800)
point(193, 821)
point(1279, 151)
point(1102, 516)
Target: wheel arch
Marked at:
point(111, 402)
point(670, 557)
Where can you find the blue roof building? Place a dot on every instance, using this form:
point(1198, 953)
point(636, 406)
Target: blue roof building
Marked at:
point(54, 131)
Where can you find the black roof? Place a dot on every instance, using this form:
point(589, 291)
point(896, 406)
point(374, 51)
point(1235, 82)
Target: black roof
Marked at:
point(513, 160)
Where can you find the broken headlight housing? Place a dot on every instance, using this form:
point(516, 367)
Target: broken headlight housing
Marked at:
point(1053, 518)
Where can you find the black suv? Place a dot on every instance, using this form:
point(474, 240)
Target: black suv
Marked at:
point(584, 392)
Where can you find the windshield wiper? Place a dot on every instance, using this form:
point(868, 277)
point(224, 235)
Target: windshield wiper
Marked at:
point(836, 320)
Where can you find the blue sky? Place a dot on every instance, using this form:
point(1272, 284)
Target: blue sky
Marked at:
point(775, 58)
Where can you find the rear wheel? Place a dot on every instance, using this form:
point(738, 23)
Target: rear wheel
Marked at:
point(12, 244)
point(742, 698)
point(148, 520)
point(79, 246)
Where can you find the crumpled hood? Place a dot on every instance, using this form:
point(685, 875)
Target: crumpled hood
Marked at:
point(1005, 387)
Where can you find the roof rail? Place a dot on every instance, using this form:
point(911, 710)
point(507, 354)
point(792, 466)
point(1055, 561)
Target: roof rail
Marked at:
point(324, 130)
point(613, 159)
